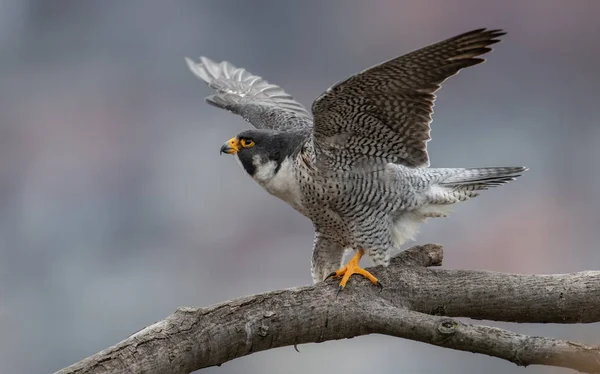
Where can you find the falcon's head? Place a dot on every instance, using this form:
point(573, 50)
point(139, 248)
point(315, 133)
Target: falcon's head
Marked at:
point(262, 152)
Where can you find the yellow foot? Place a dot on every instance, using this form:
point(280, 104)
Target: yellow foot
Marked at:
point(353, 267)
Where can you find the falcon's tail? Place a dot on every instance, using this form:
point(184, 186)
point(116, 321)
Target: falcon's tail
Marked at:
point(462, 184)
point(477, 179)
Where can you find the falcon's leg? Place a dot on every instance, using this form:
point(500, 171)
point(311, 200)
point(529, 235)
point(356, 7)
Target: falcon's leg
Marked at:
point(353, 267)
point(327, 256)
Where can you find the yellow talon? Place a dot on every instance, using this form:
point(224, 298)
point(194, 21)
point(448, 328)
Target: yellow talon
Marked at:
point(353, 267)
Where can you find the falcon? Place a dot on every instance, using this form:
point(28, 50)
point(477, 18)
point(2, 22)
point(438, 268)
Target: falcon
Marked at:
point(357, 167)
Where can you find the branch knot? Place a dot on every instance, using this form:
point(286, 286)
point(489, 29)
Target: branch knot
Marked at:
point(447, 326)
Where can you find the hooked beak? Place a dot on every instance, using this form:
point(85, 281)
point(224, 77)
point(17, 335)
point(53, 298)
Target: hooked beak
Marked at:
point(230, 147)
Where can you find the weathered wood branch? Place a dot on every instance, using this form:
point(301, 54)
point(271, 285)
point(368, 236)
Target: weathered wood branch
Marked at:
point(417, 303)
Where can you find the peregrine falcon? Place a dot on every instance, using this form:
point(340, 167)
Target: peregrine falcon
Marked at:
point(358, 168)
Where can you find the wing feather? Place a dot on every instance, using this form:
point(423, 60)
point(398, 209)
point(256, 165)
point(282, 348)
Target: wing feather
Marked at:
point(262, 104)
point(383, 114)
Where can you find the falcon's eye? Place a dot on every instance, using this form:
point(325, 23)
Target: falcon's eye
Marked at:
point(246, 143)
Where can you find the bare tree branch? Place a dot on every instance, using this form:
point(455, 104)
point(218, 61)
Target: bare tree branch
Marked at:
point(409, 307)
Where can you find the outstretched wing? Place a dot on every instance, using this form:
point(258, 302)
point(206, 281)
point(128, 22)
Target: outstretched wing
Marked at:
point(383, 113)
point(264, 105)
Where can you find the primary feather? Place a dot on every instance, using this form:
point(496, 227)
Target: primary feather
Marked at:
point(262, 104)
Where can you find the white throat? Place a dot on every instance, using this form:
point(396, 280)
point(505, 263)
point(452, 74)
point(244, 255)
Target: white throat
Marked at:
point(282, 183)
point(265, 171)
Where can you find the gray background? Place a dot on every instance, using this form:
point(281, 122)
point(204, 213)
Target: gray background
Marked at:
point(115, 207)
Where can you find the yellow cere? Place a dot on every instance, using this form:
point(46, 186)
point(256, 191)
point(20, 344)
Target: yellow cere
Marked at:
point(233, 146)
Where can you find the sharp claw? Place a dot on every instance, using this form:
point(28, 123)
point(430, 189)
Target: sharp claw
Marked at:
point(339, 289)
point(378, 284)
point(329, 276)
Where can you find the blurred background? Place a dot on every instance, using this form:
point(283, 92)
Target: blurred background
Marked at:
point(115, 207)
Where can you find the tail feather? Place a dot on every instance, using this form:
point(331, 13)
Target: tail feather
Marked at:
point(455, 185)
point(477, 179)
